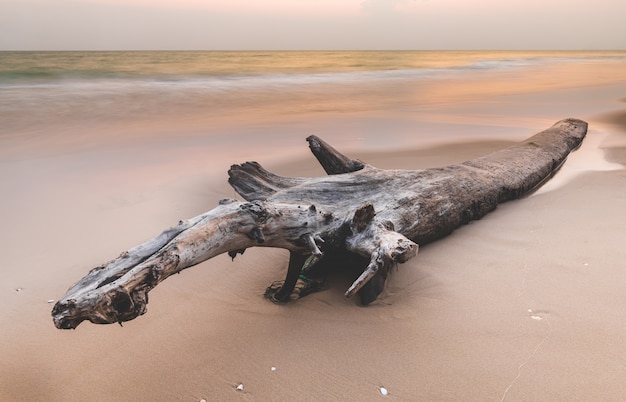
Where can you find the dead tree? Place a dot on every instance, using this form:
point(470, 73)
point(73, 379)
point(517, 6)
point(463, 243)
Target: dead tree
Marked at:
point(381, 215)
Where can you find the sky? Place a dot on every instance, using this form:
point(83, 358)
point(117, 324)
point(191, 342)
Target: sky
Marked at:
point(312, 24)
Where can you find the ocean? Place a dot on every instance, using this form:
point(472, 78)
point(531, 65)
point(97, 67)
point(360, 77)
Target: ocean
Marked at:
point(101, 151)
point(74, 93)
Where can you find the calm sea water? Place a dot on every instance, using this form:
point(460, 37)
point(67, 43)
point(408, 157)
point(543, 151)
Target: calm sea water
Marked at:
point(42, 90)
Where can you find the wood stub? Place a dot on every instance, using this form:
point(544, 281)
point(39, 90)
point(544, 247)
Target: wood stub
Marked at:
point(332, 160)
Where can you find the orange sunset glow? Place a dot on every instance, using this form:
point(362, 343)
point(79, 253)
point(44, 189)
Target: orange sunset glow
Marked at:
point(312, 200)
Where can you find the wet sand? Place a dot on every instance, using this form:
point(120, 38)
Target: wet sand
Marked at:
point(525, 304)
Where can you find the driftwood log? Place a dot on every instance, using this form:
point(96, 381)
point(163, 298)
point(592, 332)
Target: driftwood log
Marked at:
point(357, 210)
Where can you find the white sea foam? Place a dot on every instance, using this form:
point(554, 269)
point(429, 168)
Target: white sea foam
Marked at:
point(588, 158)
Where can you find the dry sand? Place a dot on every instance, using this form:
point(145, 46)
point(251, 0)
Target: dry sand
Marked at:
point(525, 304)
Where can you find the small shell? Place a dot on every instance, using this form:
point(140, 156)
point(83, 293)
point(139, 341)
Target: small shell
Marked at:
point(383, 391)
point(239, 387)
point(273, 368)
point(51, 301)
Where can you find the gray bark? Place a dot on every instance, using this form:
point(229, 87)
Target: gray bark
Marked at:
point(380, 215)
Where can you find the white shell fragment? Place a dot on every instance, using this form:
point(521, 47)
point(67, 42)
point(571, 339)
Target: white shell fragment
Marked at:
point(273, 368)
point(383, 391)
point(51, 301)
point(239, 387)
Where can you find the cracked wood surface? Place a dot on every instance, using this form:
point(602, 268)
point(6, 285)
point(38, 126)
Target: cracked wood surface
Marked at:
point(381, 215)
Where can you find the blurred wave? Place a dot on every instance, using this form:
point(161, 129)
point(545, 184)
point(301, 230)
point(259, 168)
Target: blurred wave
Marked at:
point(38, 89)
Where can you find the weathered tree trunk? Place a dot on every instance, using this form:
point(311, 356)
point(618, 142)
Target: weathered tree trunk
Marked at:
point(381, 215)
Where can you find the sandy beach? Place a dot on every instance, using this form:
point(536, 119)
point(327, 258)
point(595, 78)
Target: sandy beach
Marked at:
point(524, 304)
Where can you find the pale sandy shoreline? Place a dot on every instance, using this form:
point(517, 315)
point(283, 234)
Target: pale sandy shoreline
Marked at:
point(525, 304)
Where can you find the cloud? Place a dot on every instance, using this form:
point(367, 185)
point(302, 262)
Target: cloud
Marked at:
point(310, 24)
point(382, 7)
